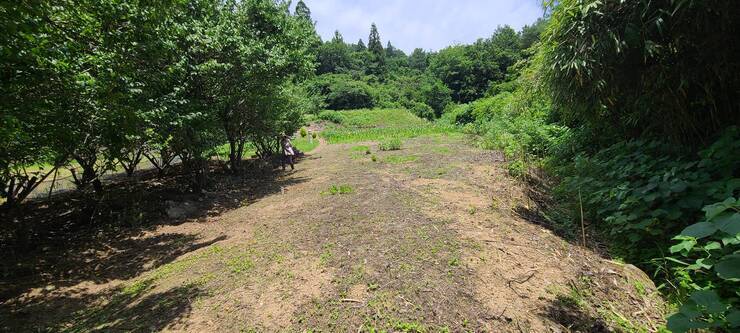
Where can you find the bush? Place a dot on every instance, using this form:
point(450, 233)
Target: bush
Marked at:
point(645, 192)
point(342, 92)
point(422, 110)
point(458, 114)
point(332, 116)
point(304, 133)
point(393, 144)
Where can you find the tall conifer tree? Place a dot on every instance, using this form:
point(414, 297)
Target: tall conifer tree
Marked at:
point(375, 46)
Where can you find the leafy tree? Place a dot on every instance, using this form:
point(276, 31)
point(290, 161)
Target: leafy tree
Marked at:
point(436, 95)
point(302, 11)
point(530, 34)
point(419, 59)
point(342, 92)
point(505, 46)
point(252, 65)
point(466, 70)
point(334, 56)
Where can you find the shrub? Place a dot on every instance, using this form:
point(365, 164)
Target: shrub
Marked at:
point(645, 192)
point(342, 92)
point(392, 144)
point(304, 133)
point(314, 135)
point(458, 114)
point(422, 110)
point(517, 168)
point(332, 116)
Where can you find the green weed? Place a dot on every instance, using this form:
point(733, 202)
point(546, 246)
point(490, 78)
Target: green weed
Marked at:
point(392, 144)
point(338, 190)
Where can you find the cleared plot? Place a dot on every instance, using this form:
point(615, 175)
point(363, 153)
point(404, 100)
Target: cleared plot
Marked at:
point(422, 240)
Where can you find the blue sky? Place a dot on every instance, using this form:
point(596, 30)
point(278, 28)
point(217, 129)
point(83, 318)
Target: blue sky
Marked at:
point(429, 24)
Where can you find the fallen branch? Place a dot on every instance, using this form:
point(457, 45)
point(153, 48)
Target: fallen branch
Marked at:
point(520, 280)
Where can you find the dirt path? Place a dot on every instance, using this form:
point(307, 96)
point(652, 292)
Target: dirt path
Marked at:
point(431, 238)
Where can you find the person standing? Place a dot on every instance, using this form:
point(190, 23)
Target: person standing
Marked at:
point(288, 152)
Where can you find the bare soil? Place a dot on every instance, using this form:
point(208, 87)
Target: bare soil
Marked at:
point(436, 242)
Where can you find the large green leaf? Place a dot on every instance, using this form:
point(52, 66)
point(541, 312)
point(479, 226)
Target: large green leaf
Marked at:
point(680, 323)
point(710, 300)
point(729, 223)
point(729, 267)
point(699, 230)
point(733, 318)
point(716, 209)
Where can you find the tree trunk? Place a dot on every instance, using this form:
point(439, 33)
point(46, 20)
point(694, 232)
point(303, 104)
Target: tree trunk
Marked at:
point(233, 155)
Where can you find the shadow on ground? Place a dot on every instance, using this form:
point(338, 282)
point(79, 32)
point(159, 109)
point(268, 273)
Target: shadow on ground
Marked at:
point(567, 312)
point(73, 239)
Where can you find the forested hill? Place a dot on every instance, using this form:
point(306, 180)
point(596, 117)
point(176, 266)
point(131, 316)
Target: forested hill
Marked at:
point(618, 118)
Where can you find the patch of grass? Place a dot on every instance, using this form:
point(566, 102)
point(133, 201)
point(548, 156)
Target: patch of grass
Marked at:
point(380, 118)
point(138, 287)
point(388, 145)
point(374, 158)
point(440, 150)
point(400, 159)
point(241, 263)
point(359, 152)
point(640, 288)
point(360, 148)
point(409, 327)
point(379, 124)
point(327, 254)
point(338, 190)
point(306, 144)
point(454, 262)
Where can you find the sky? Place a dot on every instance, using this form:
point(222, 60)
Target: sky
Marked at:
point(428, 24)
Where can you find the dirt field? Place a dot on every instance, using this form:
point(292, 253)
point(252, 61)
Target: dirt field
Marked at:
point(434, 237)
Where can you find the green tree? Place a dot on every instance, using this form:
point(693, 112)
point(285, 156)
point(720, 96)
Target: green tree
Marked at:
point(253, 66)
point(360, 46)
point(375, 46)
point(419, 59)
point(505, 46)
point(468, 70)
point(302, 11)
point(530, 34)
point(334, 56)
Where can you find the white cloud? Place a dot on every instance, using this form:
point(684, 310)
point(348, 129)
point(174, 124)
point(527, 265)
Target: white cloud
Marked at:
point(430, 24)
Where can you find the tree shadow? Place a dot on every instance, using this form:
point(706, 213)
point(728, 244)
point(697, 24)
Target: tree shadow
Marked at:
point(51, 245)
point(124, 312)
point(546, 212)
point(568, 312)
